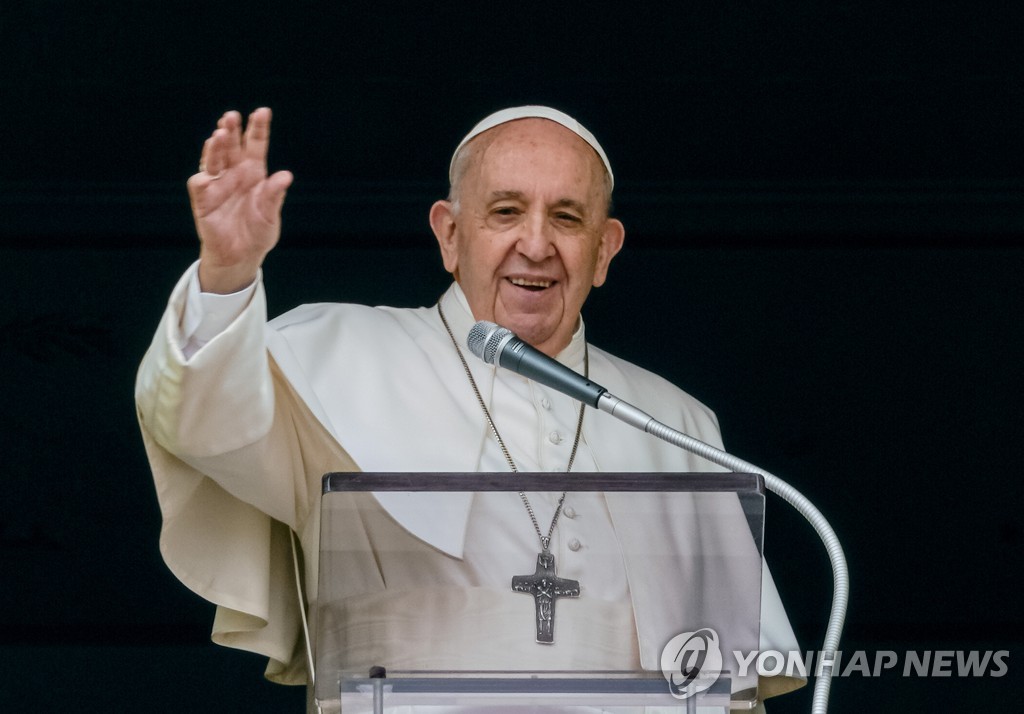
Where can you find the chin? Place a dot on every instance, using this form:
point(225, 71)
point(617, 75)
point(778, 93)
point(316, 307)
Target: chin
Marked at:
point(534, 335)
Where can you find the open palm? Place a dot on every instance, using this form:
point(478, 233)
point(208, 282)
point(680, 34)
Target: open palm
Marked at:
point(235, 204)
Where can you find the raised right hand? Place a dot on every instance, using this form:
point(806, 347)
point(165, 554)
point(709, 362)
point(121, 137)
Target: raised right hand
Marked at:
point(236, 205)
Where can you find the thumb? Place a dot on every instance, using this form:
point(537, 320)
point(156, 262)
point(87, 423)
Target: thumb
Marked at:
point(271, 198)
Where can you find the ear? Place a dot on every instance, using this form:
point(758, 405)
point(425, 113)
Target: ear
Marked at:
point(442, 222)
point(611, 243)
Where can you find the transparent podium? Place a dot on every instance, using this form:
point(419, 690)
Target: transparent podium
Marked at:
point(649, 588)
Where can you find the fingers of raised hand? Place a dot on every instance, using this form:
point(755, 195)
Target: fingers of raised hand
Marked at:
point(229, 137)
point(239, 157)
point(223, 150)
point(256, 139)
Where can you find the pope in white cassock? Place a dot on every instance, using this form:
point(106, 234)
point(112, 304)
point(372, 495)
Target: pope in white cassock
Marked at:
point(241, 419)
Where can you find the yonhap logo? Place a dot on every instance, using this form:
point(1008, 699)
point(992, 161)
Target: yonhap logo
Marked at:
point(691, 662)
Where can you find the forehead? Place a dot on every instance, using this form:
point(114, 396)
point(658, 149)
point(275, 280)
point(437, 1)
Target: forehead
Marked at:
point(536, 151)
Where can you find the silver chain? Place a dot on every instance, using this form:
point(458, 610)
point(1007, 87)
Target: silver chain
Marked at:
point(545, 541)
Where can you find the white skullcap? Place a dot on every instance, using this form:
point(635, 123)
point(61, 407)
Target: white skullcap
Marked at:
point(532, 112)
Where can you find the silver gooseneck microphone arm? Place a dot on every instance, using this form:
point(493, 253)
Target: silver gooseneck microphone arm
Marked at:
point(498, 345)
point(840, 575)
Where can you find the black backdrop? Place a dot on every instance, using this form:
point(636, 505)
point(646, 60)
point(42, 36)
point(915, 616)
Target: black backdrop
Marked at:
point(824, 222)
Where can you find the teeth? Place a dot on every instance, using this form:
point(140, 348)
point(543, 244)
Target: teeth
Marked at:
point(531, 283)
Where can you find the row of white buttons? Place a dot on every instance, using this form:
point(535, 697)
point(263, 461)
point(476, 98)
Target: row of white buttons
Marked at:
point(574, 543)
point(555, 437)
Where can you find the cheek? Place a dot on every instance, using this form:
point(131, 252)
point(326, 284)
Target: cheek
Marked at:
point(477, 272)
point(585, 268)
point(486, 258)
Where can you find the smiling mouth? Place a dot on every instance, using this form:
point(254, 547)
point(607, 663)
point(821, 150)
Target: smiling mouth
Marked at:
point(533, 285)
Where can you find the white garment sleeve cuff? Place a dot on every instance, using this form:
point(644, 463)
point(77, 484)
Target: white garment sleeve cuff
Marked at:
point(206, 315)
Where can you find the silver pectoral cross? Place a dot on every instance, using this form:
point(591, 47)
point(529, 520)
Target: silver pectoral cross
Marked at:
point(545, 586)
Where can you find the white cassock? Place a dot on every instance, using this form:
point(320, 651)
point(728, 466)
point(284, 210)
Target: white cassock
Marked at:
point(238, 442)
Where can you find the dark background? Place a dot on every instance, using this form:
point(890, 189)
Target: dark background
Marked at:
point(823, 205)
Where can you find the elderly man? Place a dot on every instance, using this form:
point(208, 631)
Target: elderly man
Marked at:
point(241, 418)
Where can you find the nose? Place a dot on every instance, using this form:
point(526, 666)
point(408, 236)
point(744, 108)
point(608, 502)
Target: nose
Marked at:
point(536, 240)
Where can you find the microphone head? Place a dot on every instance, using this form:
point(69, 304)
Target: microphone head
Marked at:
point(485, 340)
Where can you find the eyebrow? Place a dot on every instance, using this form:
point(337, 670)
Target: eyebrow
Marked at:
point(503, 195)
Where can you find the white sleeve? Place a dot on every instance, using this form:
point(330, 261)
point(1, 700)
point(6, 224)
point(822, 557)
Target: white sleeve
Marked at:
point(206, 315)
point(237, 460)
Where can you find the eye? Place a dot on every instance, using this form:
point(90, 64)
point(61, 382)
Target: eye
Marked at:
point(504, 216)
point(506, 210)
point(566, 217)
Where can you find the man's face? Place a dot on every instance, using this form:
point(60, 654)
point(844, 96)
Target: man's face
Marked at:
point(531, 235)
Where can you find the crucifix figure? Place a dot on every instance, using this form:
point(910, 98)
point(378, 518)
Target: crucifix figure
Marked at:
point(545, 586)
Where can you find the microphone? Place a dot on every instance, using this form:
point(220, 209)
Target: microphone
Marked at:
point(500, 346)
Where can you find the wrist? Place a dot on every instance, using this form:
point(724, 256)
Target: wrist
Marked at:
point(224, 280)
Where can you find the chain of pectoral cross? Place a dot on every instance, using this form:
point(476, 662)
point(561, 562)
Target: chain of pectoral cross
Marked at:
point(543, 584)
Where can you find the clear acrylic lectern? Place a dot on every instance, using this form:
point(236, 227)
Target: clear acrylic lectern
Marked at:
point(653, 583)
